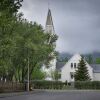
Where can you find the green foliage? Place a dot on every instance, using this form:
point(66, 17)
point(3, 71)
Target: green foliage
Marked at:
point(82, 73)
point(10, 6)
point(21, 42)
point(97, 60)
point(87, 85)
point(37, 74)
point(47, 84)
point(8, 18)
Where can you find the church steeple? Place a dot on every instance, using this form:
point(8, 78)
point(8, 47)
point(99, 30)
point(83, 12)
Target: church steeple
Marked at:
point(49, 28)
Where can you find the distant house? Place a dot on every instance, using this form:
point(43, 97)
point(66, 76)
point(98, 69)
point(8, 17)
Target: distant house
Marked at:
point(68, 69)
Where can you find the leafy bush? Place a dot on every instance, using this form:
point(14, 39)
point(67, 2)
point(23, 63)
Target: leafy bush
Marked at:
point(87, 85)
point(47, 84)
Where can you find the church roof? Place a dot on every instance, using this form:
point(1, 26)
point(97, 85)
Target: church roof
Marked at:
point(49, 18)
point(59, 65)
point(96, 68)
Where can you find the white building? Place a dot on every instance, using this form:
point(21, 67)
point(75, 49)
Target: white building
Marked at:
point(67, 70)
point(49, 28)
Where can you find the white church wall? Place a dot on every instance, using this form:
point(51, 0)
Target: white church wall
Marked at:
point(49, 28)
point(67, 70)
point(49, 70)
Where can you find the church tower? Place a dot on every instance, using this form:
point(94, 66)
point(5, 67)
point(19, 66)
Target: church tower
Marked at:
point(49, 27)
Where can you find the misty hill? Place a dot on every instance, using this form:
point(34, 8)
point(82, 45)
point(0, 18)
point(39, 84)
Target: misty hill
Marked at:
point(67, 56)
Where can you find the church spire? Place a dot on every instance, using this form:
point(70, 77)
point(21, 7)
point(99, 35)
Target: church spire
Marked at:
point(49, 23)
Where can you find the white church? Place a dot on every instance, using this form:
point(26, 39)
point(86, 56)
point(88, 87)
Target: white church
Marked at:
point(68, 69)
point(49, 28)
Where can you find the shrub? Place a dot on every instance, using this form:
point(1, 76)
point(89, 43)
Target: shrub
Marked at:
point(47, 84)
point(87, 85)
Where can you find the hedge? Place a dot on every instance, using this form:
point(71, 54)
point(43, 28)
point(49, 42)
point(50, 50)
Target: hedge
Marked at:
point(47, 84)
point(87, 85)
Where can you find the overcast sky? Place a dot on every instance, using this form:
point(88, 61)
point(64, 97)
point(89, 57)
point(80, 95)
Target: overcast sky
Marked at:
point(76, 22)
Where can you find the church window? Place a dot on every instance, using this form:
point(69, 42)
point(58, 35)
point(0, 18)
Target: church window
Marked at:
point(71, 75)
point(74, 65)
point(71, 65)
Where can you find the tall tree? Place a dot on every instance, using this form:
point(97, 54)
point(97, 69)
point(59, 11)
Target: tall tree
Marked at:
point(8, 18)
point(81, 73)
point(38, 74)
point(97, 60)
point(22, 43)
point(31, 45)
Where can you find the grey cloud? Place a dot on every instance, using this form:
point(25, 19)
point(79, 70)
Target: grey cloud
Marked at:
point(77, 22)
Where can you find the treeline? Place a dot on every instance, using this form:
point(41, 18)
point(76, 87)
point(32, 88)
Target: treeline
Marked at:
point(91, 58)
point(22, 43)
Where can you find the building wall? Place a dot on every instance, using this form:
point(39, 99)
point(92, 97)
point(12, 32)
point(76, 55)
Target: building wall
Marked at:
point(67, 70)
point(49, 29)
point(49, 70)
point(96, 76)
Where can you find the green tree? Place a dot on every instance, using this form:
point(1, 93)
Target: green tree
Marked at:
point(22, 43)
point(32, 45)
point(8, 18)
point(81, 73)
point(55, 75)
point(10, 6)
point(37, 74)
point(97, 60)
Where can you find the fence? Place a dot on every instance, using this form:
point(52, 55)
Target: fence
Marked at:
point(12, 87)
point(15, 86)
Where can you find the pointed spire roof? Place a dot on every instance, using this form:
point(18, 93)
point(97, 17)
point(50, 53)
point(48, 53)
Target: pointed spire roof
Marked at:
point(49, 18)
point(49, 28)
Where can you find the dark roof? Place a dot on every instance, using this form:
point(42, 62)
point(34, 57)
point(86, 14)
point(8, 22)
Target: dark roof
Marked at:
point(96, 68)
point(59, 65)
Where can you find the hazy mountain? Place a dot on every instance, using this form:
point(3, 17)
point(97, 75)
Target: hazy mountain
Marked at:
point(64, 55)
